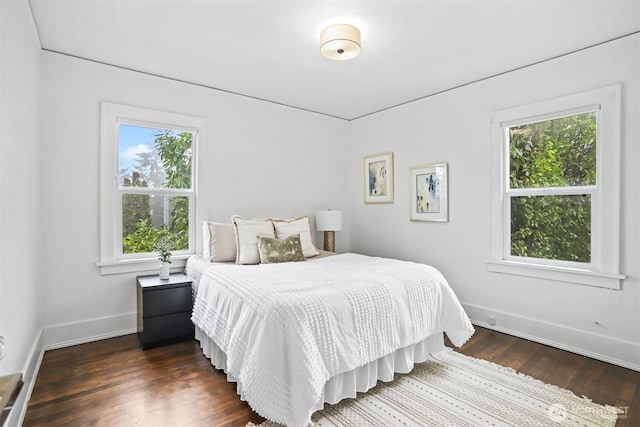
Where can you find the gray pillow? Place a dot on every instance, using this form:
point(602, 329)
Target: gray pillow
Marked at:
point(273, 250)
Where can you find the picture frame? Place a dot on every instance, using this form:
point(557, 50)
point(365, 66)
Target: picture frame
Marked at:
point(429, 193)
point(378, 178)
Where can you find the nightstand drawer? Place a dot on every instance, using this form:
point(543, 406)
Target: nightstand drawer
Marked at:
point(163, 329)
point(167, 301)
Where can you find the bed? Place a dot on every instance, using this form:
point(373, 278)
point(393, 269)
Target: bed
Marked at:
point(296, 335)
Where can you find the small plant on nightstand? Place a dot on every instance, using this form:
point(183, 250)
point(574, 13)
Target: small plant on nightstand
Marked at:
point(163, 247)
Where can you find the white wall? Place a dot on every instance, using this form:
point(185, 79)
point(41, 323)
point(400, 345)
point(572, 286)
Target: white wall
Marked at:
point(20, 240)
point(453, 127)
point(261, 160)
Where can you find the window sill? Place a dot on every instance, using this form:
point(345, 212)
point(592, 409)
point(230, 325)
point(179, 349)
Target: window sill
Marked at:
point(561, 274)
point(147, 265)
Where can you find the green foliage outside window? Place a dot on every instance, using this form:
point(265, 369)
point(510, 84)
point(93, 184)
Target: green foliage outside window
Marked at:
point(135, 207)
point(551, 227)
point(553, 153)
point(141, 211)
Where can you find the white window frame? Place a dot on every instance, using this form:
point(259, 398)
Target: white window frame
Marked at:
point(603, 269)
point(112, 258)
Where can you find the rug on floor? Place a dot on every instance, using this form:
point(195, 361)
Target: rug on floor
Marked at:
point(458, 390)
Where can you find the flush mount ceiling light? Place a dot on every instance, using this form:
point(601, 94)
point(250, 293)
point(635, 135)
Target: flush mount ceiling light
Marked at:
point(340, 42)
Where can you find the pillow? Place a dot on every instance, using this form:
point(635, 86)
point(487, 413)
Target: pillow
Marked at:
point(246, 231)
point(273, 250)
point(219, 241)
point(302, 226)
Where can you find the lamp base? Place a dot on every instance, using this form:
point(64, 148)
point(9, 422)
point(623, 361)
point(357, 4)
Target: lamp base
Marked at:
point(330, 241)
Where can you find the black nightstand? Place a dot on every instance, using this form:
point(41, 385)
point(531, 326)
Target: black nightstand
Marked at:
point(164, 310)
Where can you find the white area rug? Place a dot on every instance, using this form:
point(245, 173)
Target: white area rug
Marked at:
point(457, 390)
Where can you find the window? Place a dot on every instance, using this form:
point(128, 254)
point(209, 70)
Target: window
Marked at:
point(155, 190)
point(555, 189)
point(552, 178)
point(148, 186)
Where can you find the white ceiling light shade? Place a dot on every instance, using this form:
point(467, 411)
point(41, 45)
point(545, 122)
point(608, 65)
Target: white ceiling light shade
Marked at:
point(340, 42)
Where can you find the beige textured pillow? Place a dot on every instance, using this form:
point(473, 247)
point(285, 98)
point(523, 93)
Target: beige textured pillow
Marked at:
point(219, 241)
point(275, 250)
point(247, 231)
point(302, 226)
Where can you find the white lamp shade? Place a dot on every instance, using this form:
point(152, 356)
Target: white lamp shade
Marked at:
point(340, 42)
point(329, 220)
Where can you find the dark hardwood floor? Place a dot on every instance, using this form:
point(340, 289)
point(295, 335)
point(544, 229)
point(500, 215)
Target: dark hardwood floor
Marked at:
point(114, 383)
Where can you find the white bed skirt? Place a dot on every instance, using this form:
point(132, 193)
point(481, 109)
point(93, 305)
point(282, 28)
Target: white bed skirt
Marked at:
point(347, 384)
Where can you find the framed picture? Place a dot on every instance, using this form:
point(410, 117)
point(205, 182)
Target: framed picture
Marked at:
point(429, 193)
point(378, 178)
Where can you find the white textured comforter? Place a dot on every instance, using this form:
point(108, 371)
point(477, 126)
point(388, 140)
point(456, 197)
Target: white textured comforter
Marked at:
point(287, 328)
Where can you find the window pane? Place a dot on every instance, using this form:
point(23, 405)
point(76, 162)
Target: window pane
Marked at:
point(551, 227)
point(554, 153)
point(154, 158)
point(147, 218)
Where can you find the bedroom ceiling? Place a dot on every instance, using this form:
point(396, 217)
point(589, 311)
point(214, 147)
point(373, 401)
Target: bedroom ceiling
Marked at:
point(270, 49)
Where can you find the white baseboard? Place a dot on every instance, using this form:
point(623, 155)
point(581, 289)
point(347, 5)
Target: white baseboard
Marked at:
point(596, 346)
point(90, 330)
point(64, 336)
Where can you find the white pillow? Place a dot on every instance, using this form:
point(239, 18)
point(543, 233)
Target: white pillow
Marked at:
point(219, 241)
point(247, 232)
point(302, 226)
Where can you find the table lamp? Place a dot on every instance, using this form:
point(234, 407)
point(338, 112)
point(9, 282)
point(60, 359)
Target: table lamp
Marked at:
point(329, 221)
